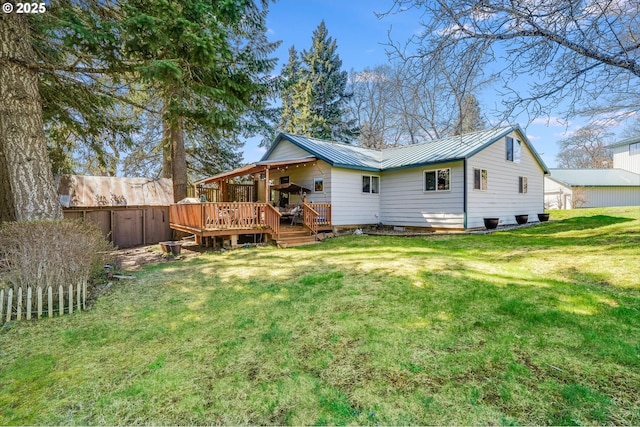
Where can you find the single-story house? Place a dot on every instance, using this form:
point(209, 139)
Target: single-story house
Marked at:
point(589, 188)
point(451, 183)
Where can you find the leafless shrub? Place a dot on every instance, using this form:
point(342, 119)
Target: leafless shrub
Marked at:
point(50, 253)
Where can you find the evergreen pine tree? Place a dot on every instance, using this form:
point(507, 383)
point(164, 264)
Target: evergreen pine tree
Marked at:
point(314, 92)
point(470, 118)
point(289, 92)
point(325, 90)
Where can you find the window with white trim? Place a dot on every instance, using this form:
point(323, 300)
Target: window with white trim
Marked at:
point(370, 184)
point(522, 184)
point(480, 179)
point(437, 180)
point(513, 150)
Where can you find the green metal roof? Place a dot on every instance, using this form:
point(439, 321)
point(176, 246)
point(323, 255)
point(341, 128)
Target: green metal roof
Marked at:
point(596, 177)
point(448, 149)
point(335, 153)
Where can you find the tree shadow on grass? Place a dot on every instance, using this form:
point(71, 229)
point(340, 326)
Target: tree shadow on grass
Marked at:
point(579, 223)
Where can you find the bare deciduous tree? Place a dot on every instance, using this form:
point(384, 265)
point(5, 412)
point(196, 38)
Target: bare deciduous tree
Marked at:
point(414, 101)
point(583, 56)
point(586, 148)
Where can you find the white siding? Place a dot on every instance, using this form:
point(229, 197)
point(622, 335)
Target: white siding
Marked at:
point(405, 203)
point(349, 205)
point(301, 174)
point(611, 196)
point(502, 198)
point(285, 150)
point(556, 195)
point(623, 160)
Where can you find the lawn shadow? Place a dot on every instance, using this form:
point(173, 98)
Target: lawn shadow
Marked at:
point(579, 223)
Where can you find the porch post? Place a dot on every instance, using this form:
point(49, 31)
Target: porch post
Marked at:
point(266, 185)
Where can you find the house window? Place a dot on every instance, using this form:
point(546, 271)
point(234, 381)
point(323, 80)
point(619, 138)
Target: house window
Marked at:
point(634, 148)
point(513, 150)
point(284, 180)
point(370, 184)
point(522, 184)
point(437, 180)
point(318, 185)
point(480, 179)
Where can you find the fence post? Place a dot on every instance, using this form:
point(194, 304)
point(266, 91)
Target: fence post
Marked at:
point(1, 304)
point(29, 303)
point(61, 300)
point(50, 300)
point(39, 296)
point(84, 294)
point(70, 299)
point(9, 303)
point(19, 305)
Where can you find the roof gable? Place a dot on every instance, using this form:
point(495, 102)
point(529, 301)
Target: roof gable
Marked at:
point(448, 149)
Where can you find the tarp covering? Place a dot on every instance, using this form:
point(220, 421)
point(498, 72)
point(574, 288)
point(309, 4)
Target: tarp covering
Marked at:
point(98, 191)
point(290, 187)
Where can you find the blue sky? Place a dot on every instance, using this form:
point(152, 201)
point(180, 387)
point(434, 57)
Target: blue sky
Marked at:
point(360, 37)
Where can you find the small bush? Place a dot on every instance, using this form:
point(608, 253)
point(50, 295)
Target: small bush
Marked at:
point(51, 253)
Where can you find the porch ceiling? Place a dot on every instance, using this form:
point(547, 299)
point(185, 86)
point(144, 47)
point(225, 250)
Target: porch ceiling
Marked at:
point(253, 169)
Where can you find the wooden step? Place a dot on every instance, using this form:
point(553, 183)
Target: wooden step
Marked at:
point(295, 236)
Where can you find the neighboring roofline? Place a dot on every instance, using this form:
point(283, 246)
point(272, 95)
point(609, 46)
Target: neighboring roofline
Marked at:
point(566, 184)
point(559, 181)
point(624, 142)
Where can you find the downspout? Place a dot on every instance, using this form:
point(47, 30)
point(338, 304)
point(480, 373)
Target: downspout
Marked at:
point(464, 198)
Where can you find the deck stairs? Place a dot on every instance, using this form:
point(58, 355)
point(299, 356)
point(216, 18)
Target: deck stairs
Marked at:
point(295, 236)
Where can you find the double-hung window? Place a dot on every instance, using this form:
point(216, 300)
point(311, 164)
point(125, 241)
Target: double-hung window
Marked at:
point(370, 184)
point(522, 184)
point(480, 179)
point(437, 180)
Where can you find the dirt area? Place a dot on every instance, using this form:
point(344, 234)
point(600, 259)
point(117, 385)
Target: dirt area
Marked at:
point(131, 259)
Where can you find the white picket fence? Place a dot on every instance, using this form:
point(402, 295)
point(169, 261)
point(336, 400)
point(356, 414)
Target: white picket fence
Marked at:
point(19, 305)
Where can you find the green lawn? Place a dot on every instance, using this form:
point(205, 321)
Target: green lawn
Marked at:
point(539, 325)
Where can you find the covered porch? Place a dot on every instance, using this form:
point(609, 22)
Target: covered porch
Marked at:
point(243, 201)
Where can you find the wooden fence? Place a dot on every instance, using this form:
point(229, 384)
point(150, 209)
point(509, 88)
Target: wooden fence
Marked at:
point(127, 226)
point(42, 301)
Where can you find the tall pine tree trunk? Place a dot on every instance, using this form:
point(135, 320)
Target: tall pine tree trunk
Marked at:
point(166, 145)
point(26, 181)
point(178, 161)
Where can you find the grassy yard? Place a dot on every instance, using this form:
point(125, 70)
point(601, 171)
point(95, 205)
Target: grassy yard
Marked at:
point(539, 325)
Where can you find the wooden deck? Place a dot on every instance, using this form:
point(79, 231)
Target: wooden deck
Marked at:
point(211, 219)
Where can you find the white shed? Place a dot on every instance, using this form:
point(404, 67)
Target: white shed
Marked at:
point(590, 188)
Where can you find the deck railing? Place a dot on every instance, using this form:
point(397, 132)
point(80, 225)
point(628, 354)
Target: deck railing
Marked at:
point(272, 219)
point(233, 215)
point(225, 216)
point(310, 218)
point(324, 213)
point(188, 215)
